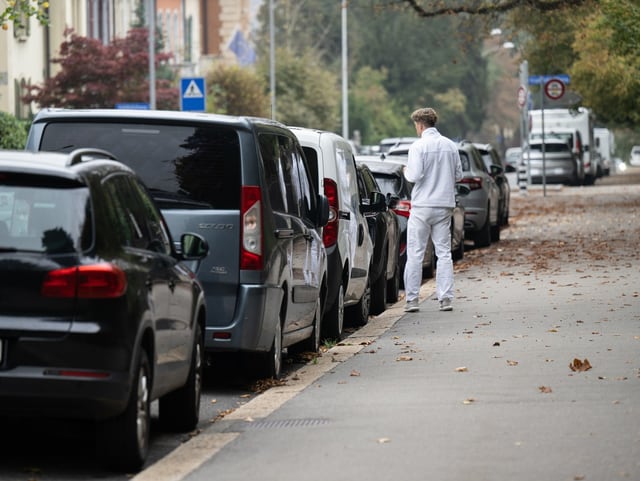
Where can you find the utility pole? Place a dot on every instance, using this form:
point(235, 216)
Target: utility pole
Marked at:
point(345, 82)
point(272, 60)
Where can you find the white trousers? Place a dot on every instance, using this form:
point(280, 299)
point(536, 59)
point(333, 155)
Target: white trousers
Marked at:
point(424, 222)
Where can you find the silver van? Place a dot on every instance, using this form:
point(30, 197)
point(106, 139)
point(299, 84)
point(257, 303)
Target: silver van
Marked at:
point(245, 186)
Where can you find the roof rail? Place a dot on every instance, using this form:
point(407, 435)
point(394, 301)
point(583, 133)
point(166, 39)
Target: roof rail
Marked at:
point(76, 156)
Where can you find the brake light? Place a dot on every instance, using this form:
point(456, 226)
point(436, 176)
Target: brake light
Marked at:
point(251, 225)
point(474, 183)
point(96, 281)
point(403, 208)
point(330, 231)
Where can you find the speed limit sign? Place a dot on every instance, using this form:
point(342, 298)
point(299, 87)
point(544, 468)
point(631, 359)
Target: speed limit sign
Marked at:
point(554, 88)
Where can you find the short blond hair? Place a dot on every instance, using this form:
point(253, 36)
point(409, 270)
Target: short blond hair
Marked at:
point(426, 116)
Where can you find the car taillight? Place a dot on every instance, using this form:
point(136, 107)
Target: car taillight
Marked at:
point(330, 231)
point(96, 281)
point(251, 225)
point(474, 183)
point(403, 208)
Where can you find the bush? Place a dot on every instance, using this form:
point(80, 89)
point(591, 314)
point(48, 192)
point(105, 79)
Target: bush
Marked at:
point(13, 132)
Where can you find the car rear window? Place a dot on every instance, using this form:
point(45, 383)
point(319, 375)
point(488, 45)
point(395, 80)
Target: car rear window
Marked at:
point(44, 214)
point(464, 160)
point(551, 148)
point(184, 166)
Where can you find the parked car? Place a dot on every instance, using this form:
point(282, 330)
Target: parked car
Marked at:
point(384, 229)
point(245, 185)
point(573, 138)
point(492, 158)
point(561, 165)
point(98, 317)
point(388, 144)
point(346, 235)
point(482, 220)
point(634, 157)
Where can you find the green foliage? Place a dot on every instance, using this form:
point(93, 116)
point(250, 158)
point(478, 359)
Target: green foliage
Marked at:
point(372, 111)
point(94, 75)
point(236, 91)
point(13, 132)
point(17, 10)
point(607, 72)
point(306, 91)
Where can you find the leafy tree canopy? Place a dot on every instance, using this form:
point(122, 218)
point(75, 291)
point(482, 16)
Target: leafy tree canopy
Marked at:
point(236, 91)
point(94, 75)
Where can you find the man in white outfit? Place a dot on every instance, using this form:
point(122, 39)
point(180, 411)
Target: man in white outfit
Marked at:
point(434, 168)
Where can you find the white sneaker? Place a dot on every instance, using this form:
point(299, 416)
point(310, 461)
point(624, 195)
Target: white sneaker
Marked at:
point(445, 305)
point(412, 306)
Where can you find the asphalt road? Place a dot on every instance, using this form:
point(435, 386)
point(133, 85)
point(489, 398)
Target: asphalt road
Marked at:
point(483, 392)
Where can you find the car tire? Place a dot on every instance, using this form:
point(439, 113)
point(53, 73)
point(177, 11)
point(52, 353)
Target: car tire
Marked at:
point(179, 410)
point(272, 360)
point(482, 238)
point(125, 439)
point(393, 285)
point(333, 320)
point(495, 233)
point(458, 254)
point(359, 314)
point(312, 343)
point(379, 291)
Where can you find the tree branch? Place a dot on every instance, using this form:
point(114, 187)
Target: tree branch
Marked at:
point(498, 7)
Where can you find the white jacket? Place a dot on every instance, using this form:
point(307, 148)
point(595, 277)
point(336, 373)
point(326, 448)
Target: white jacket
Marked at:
point(433, 167)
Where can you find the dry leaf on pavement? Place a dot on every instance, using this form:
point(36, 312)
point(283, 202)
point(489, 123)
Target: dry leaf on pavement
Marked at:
point(355, 373)
point(545, 389)
point(461, 369)
point(512, 363)
point(404, 358)
point(580, 366)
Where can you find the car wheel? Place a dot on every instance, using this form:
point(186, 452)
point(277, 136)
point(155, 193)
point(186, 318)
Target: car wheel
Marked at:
point(458, 254)
point(429, 263)
point(125, 438)
point(360, 312)
point(482, 238)
point(272, 361)
point(333, 321)
point(312, 343)
point(495, 233)
point(393, 286)
point(180, 410)
point(379, 291)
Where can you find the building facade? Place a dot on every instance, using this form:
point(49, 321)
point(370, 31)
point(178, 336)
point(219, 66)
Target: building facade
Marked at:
point(198, 33)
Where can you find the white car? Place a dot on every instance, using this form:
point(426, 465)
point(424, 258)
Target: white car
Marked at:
point(634, 158)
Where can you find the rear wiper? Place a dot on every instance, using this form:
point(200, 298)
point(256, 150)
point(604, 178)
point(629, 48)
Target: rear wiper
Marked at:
point(163, 196)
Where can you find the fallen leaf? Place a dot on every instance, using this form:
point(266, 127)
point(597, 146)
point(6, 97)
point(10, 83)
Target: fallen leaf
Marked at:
point(461, 369)
point(496, 343)
point(580, 366)
point(355, 373)
point(469, 401)
point(512, 363)
point(404, 358)
point(545, 389)
point(383, 440)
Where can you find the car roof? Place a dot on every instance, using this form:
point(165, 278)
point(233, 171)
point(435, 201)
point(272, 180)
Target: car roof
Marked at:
point(69, 165)
point(380, 166)
point(152, 115)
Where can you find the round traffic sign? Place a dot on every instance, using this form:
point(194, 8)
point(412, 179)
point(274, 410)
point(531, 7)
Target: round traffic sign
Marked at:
point(554, 88)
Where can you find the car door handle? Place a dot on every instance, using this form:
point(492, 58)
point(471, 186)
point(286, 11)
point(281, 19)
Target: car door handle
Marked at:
point(284, 233)
point(344, 214)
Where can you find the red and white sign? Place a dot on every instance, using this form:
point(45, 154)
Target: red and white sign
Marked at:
point(554, 88)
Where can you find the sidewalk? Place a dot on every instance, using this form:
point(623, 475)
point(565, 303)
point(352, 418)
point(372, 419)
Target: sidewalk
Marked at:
point(484, 392)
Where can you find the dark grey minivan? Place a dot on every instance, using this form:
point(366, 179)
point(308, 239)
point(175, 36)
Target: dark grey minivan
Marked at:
point(243, 184)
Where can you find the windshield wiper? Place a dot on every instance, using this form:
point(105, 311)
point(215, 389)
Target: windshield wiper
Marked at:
point(165, 197)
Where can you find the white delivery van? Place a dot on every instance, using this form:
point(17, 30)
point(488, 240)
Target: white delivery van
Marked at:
point(581, 120)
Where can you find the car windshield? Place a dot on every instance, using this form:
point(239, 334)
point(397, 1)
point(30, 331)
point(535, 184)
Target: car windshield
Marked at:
point(42, 214)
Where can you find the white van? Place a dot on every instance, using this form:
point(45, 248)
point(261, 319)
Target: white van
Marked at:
point(346, 236)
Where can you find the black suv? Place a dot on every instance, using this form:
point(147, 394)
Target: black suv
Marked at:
point(98, 317)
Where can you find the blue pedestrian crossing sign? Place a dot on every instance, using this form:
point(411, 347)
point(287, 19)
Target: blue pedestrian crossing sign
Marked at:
point(192, 94)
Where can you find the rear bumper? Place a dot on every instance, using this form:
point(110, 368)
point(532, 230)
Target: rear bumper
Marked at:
point(37, 391)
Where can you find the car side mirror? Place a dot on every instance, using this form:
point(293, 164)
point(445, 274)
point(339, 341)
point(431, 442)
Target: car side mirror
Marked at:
point(322, 215)
point(496, 170)
point(462, 190)
point(193, 247)
point(377, 202)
